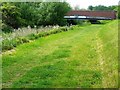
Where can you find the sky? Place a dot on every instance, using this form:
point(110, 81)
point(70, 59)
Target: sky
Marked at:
point(85, 3)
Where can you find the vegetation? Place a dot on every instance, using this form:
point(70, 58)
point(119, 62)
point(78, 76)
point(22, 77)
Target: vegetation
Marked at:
point(9, 43)
point(22, 14)
point(118, 11)
point(39, 53)
point(84, 57)
point(101, 8)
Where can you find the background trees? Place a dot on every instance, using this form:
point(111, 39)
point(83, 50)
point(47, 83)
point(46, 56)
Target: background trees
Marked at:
point(52, 13)
point(101, 8)
point(10, 15)
point(90, 7)
point(118, 11)
point(28, 12)
point(22, 14)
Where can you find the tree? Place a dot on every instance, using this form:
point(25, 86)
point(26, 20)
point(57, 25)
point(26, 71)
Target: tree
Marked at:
point(112, 7)
point(29, 12)
point(117, 9)
point(10, 15)
point(90, 7)
point(101, 8)
point(52, 13)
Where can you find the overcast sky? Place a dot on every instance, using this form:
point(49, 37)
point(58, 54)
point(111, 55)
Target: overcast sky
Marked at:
point(86, 3)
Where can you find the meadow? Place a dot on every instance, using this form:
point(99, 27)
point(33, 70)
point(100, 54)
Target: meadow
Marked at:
point(85, 57)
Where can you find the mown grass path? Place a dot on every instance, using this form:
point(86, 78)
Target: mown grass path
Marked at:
point(83, 57)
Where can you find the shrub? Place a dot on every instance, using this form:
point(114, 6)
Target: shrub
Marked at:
point(24, 40)
point(6, 45)
point(18, 41)
point(6, 28)
point(45, 34)
point(32, 36)
point(59, 30)
point(40, 34)
point(10, 44)
point(71, 28)
point(64, 28)
point(14, 42)
point(52, 31)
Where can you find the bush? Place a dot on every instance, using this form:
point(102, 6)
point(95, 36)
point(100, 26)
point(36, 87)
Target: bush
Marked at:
point(33, 36)
point(15, 42)
point(80, 22)
point(22, 40)
point(40, 35)
point(52, 31)
point(6, 28)
point(8, 44)
point(71, 28)
point(64, 28)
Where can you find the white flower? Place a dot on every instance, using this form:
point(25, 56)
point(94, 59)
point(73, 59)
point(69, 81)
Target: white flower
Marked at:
point(29, 27)
point(19, 29)
point(35, 26)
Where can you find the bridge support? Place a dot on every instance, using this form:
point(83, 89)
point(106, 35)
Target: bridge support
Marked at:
point(95, 21)
point(71, 22)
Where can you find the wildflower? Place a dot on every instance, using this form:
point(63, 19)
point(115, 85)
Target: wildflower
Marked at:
point(35, 26)
point(14, 30)
point(29, 27)
point(19, 29)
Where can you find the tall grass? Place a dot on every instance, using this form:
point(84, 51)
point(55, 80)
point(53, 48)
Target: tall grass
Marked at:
point(24, 35)
point(21, 32)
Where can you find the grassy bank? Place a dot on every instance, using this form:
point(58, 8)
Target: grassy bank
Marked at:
point(84, 57)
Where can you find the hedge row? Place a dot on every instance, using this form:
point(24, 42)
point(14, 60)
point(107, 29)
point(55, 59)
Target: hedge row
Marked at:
point(8, 44)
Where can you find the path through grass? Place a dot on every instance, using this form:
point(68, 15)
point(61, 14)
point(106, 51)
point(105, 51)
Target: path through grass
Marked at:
point(80, 58)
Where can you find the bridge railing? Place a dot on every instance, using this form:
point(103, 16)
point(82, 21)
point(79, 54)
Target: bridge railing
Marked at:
point(87, 17)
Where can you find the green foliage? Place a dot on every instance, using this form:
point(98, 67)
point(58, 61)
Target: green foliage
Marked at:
point(90, 7)
point(22, 14)
point(6, 45)
point(52, 13)
point(6, 28)
point(32, 36)
point(28, 12)
point(9, 44)
point(10, 15)
point(118, 11)
point(22, 40)
point(101, 8)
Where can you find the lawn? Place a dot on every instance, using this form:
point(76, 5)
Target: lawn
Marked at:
point(86, 57)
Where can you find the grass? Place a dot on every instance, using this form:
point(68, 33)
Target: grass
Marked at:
point(86, 57)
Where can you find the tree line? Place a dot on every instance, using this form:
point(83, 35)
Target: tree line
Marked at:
point(102, 8)
point(22, 14)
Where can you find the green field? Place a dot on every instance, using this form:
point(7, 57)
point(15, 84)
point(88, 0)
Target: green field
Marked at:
point(86, 57)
